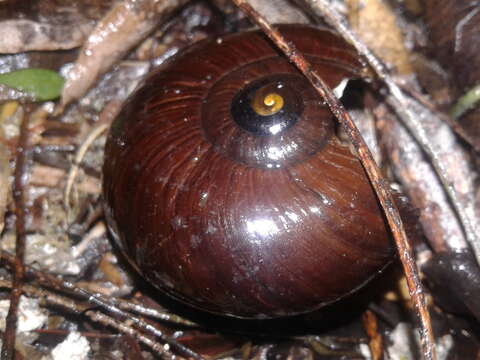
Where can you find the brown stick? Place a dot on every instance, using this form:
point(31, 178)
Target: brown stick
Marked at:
point(380, 185)
point(19, 186)
point(375, 342)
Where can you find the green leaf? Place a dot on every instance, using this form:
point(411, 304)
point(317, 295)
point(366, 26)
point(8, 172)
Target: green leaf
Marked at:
point(42, 84)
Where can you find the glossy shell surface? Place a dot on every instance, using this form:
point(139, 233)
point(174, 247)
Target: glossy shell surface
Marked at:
point(231, 215)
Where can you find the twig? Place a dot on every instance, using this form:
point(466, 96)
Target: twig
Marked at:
point(152, 313)
point(160, 349)
point(375, 342)
point(19, 187)
point(466, 102)
point(380, 185)
point(48, 297)
point(82, 150)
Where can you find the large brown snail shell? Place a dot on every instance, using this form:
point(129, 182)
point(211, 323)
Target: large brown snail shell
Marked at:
point(226, 186)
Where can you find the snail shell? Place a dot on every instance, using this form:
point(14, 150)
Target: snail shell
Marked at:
point(226, 186)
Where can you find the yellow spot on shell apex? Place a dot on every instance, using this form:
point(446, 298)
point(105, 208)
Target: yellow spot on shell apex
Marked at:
point(268, 104)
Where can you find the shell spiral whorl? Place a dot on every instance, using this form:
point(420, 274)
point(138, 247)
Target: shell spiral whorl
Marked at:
point(226, 187)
